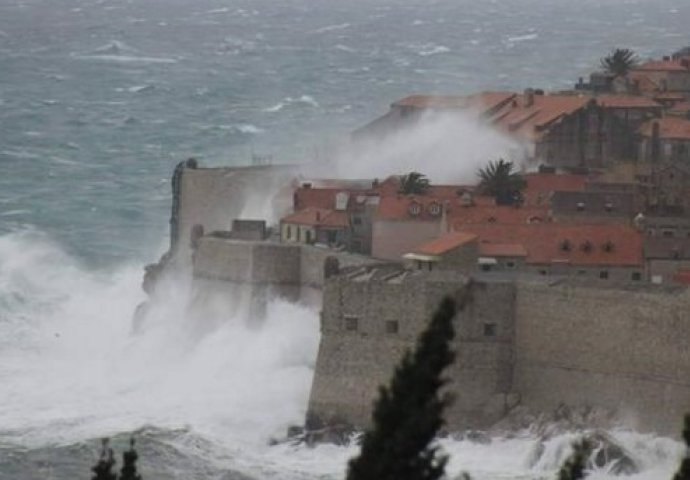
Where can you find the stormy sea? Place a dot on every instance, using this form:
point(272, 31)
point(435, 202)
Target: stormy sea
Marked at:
point(99, 99)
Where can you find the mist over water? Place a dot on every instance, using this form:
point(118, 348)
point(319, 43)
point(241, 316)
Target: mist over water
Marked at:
point(100, 99)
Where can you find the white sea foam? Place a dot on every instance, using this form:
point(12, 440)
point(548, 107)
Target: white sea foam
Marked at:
point(447, 148)
point(332, 28)
point(523, 38)
point(72, 369)
point(125, 59)
point(290, 101)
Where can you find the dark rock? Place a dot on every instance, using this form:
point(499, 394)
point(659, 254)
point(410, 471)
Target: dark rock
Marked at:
point(608, 453)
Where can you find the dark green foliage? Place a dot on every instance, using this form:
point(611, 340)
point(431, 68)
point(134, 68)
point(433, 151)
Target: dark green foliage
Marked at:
point(129, 467)
point(619, 62)
point(408, 413)
point(684, 470)
point(103, 469)
point(414, 183)
point(574, 467)
point(499, 181)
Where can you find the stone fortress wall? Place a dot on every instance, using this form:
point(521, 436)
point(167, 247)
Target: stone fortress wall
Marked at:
point(621, 349)
point(546, 341)
point(540, 343)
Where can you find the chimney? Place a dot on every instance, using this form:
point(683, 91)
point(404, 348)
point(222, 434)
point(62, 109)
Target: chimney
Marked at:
point(306, 185)
point(529, 97)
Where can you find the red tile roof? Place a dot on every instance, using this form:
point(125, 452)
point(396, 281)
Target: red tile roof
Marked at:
point(663, 66)
point(540, 186)
point(530, 120)
point(502, 250)
point(501, 214)
point(483, 102)
point(314, 198)
point(626, 101)
point(397, 207)
point(669, 128)
point(544, 242)
point(642, 81)
point(318, 217)
point(681, 107)
point(445, 243)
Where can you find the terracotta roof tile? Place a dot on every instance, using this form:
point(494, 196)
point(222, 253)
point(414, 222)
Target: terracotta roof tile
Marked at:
point(669, 128)
point(642, 81)
point(544, 242)
point(483, 102)
point(500, 214)
point(403, 207)
point(681, 107)
point(445, 243)
point(530, 120)
point(663, 66)
point(502, 250)
point(540, 186)
point(318, 217)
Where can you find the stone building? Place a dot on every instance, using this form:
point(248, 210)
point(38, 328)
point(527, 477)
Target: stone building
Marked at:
point(604, 253)
point(536, 342)
point(452, 251)
point(665, 140)
point(561, 129)
point(371, 316)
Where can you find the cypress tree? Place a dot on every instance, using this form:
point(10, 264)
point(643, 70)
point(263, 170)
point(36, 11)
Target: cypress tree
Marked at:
point(574, 467)
point(129, 461)
point(408, 413)
point(103, 468)
point(684, 470)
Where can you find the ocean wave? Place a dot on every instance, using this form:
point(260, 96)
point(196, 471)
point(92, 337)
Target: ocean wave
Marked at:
point(428, 49)
point(304, 100)
point(125, 59)
point(332, 28)
point(523, 38)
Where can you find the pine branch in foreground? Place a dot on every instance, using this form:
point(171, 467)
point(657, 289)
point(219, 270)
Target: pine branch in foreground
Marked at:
point(684, 470)
point(408, 412)
point(574, 467)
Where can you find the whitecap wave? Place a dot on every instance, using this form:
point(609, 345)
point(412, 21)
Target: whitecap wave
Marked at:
point(523, 38)
point(332, 28)
point(304, 100)
point(72, 369)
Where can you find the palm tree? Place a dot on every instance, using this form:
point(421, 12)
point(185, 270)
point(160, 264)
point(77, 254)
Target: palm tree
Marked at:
point(619, 62)
point(414, 183)
point(499, 181)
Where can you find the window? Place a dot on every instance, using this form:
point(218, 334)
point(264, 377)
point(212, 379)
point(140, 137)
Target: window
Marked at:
point(288, 232)
point(308, 235)
point(566, 245)
point(414, 209)
point(510, 264)
point(434, 209)
point(542, 272)
point(489, 329)
point(486, 268)
point(357, 221)
point(580, 206)
point(391, 326)
point(604, 274)
point(351, 323)
point(582, 272)
point(636, 276)
point(668, 233)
